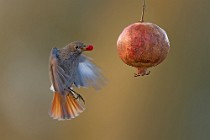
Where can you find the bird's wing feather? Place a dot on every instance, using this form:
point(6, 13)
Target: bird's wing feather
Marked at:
point(88, 74)
point(57, 74)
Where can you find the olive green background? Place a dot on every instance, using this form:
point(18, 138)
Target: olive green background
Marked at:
point(172, 103)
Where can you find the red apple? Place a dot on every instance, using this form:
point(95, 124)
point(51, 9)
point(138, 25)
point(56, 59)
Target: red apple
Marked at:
point(143, 45)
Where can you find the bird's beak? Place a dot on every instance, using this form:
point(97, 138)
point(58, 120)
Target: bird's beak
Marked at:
point(88, 48)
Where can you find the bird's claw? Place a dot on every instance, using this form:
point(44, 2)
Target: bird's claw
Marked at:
point(77, 94)
point(80, 98)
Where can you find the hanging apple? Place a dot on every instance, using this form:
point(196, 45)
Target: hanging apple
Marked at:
point(143, 45)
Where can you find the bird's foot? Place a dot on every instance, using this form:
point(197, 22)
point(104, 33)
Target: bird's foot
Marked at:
point(77, 95)
point(80, 98)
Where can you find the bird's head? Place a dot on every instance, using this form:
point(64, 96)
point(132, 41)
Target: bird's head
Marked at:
point(78, 47)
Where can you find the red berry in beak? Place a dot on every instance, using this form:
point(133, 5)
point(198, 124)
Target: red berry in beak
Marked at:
point(89, 48)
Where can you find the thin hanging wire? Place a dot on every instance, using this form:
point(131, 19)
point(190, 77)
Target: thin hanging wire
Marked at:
point(142, 15)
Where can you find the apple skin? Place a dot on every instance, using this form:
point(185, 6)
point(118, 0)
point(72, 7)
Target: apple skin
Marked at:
point(143, 45)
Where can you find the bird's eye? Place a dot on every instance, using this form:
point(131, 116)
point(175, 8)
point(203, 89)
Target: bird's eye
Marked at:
point(76, 47)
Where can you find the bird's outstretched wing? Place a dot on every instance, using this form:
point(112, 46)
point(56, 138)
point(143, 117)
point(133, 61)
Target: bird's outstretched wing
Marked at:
point(57, 74)
point(88, 74)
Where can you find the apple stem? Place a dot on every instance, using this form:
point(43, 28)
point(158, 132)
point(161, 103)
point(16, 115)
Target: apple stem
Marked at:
point(142, 16)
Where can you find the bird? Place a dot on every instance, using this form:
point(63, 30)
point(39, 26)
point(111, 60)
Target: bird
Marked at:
point(69, 68)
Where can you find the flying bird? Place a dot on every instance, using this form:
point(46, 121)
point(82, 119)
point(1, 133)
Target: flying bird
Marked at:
point(70, 68)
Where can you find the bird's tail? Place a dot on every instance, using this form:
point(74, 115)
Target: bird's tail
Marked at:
point(65, 106)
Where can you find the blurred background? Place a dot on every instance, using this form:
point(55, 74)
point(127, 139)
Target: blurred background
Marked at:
point(172, 103)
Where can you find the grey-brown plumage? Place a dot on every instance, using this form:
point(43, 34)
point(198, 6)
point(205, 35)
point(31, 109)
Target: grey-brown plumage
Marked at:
point(68, 68)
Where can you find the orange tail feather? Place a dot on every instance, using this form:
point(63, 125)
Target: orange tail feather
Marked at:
point(65, 107)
